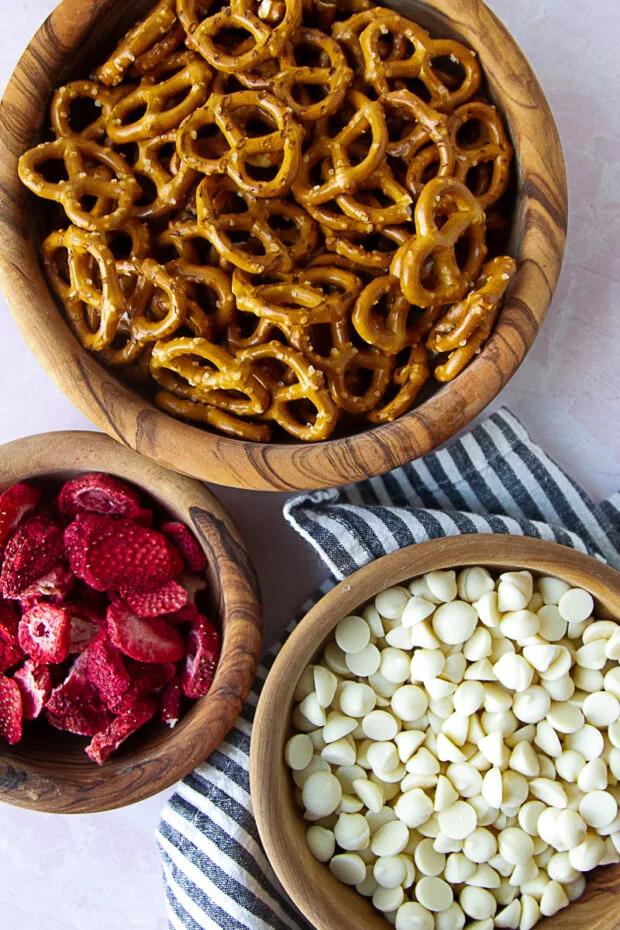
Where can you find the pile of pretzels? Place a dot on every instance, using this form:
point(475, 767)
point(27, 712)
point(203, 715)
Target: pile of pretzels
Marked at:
point(278, 213)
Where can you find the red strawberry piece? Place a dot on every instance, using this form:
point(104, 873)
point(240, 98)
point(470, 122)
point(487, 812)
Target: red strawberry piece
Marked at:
point(107, 741)
point(145, 678)
point(10, 651)
point(10, 711)
point(15, 504)
point(106, 670)
point(96, 493)
point(75, 704)
point(162, 600)
point(152, 640)
point(187, 614)
point(45, 633)
point(149, 677)
point(203, 652)
point(85, 625)
point(56, 585)
point(170, 707)
point(193, 555)
point(35, 683)
point(115, 554)
point(34, 550)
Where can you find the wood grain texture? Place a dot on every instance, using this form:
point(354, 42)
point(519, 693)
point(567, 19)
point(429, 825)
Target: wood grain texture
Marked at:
point(81, 32)
point(48, 770)
point(321, 898)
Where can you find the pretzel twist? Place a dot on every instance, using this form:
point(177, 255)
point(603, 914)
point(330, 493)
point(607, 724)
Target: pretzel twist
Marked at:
point(208, 415)
point(354, 247)
point(282, 144)
point(216, 221)
point(387, 331)
point(490, 148)
point(144, 35)
point(199, 370)
point(438, 244)
point(343, 176)
point(344, 365)
point(172, 180)
point(86, 251)
point(273, 26)
point(120, 191)
point(299, 299)
point(382, 73)
point(104, 98)
point(465, 327)
point(183, 75)
point(332, 74)
point(408, 380)
point(204, 322)
point(307, 385)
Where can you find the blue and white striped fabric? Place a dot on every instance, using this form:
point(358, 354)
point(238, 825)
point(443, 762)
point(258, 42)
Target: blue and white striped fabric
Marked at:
point(492, 480)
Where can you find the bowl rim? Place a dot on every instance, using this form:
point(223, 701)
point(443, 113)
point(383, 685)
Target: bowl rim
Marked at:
point(168, 755)
point(121, 412)
point(270, 786)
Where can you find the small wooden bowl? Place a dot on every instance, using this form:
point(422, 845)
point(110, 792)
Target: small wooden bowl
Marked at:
point(48, 770)
point(79, 33)
point(325, 902)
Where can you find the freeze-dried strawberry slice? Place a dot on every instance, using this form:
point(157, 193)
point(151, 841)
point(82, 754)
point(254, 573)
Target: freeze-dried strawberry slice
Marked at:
point(10, 650)
point(35, 683)
point(97, 493)
point(193, 556)
point(56, 585)
point(144, 640)
point(148, 677)
point(106, 670)
point(45, 633)
point(75, 705)
point(85, 625)
point(15, 504)
point(103, 744)
point(145, 678)
point(162, 600)
point(170, 707)
point(110, 553)
point(203, 652)
point(34, 550)
point(187, 614)
point(10, 711)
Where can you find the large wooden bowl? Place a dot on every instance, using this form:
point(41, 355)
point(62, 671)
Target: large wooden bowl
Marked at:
point(320, 897)
point(79, 33)
point(48, 770)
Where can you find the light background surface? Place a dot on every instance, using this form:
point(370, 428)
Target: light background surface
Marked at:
point(101, 872)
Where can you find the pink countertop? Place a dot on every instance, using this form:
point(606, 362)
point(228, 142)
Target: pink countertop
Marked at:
point(101, 872)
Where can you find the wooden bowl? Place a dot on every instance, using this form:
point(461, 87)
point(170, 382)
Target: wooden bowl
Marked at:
point(323, 900)
point(48, 770)
point(79, 33)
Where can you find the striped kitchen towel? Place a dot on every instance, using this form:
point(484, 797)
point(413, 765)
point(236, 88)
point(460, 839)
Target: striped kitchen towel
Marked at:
point(492, 480)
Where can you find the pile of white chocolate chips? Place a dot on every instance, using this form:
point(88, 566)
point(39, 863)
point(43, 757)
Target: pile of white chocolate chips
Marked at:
point(457, 749)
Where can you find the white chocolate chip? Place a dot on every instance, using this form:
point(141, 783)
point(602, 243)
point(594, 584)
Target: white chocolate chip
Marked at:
point(352, 634)
point(576, 605)
point(455, 622)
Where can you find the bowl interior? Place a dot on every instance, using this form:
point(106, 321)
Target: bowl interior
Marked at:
point(41, 740)
point(102, 40)
point(156, 755)
point(323, 900)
